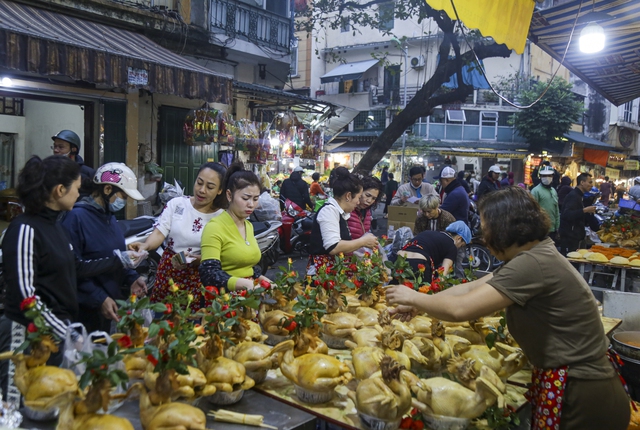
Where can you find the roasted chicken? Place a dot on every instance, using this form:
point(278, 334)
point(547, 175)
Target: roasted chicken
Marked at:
point(366, 361)
point(255, 357)
point(341, 324)
point(192, 385)
point(273, 321)
point(169, 416)
point(368, 316)
point(228, 375)
point(386, 397)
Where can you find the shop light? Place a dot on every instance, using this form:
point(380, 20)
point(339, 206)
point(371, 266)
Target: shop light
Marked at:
point(6, 82)
point(592, 38)
point(274, 142)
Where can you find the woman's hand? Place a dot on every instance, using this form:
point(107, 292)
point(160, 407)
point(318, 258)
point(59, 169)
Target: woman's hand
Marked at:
point(139, 287)
point(109, 309)
point(401, 295)
point(369, 241)
point(403, 313)
point(264, 278)
point(138, 246)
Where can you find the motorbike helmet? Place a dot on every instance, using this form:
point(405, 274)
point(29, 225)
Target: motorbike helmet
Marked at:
point(119, 175)
point(546, 170)
point(636, 180)
point(593, 192)
point(68, 136)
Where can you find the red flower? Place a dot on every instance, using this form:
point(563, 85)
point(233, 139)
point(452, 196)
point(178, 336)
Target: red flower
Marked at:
point(293, 274)
point(400, 271)
point(28, 303)
point(464, 281)
point(152, 359)
point(316, 283)
point(231, 314)
point(408, 284)
point(353, 267)
point(367, 255)
point(225, 307)
point(291, 326)
point(417, 425)
point(406, 423)
point(243, 293)
point(169, 308)
point(358, 283)
point(331, 285)
point(421, 267)
point(125, 342)
point(212, 292)
point(170, 323)
point(265, 284)
point(31, 328)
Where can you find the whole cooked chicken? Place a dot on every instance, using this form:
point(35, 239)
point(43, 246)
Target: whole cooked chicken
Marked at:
point(313, 372)
point(368, 316)
point(254, 333)
point(421, 325)
point(441, 396)
point(341, 324)
point(41, 383)
point(135, 364)
point(192, 385)
point(255, 357)
point(367, 336)
point(89, 421)
point(173, 415)
point(228, 375)
point(386, 397)
point(366, 361)
point(272, 321)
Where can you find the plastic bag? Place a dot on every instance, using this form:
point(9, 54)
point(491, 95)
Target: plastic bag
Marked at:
point(169, 192)
point(74, 341)
point(268, 208)
point(94, 341)
point(591, 237)
point(402, 236)
point(131, 259)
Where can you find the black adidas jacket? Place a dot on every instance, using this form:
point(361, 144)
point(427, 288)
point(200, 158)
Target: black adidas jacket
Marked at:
point(39, 260)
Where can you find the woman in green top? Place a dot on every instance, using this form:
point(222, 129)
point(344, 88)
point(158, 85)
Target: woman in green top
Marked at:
point(230, 253)
point(551, 313)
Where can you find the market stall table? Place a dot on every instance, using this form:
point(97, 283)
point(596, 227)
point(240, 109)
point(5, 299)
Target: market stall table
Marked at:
point(619, 271)
point(275, 414)
point(341, 410)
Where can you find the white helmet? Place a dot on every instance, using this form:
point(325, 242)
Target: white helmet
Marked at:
point(546, 170)
point(119, 175)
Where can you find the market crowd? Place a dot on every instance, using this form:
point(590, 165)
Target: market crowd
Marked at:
point(68, 252)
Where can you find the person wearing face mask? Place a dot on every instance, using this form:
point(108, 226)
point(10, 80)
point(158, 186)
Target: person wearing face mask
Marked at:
point(94, 233)
point(180, 228)
point(414, 188)
point(547, 198)
point(67, 143)
point(330, 233)
point(360, 220)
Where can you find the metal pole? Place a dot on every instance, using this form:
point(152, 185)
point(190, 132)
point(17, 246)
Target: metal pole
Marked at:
point(404, 105)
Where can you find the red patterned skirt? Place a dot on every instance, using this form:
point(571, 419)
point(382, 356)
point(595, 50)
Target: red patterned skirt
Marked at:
point(187, 279)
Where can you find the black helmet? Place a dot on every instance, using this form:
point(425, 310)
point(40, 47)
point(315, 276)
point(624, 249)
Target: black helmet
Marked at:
point(68, 136)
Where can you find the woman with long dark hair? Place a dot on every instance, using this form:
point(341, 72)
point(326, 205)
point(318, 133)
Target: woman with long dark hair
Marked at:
point(230, 252)
point(551, 313)
point(180, 227)
point(360, 219)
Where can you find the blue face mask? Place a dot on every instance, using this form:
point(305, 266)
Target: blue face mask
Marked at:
point(117, 205)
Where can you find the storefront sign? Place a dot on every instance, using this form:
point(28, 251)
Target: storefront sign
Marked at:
point(137, 76)
point(612, 173)
point(631, 165)
point(616, 159)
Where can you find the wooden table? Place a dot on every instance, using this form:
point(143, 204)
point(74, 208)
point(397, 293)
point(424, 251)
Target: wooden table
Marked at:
point(620, 271)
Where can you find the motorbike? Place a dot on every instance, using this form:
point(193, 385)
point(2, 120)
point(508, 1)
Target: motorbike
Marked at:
point(267, 234)
point(295, 232)
point(481, 259)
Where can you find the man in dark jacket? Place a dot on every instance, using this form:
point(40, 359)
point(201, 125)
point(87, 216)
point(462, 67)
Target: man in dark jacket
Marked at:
point(67, 143)
point(572, 218)
point(490, 182)
point(296, 189)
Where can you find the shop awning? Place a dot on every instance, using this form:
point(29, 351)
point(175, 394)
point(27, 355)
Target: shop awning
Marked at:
point(38, 41)
point(587, 141)
point(348, 72)
point(615, 71)
point(507, 21)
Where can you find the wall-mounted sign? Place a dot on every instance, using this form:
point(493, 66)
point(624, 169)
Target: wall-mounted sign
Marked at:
point(137, 76)
point(625, 137)
point(612, 173)
point(631, 165)
point(616, 159)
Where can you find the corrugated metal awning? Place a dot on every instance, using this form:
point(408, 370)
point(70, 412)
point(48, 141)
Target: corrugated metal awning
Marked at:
point(613, 72)
point(587, 141)
point(348, 72)
point(52, 44)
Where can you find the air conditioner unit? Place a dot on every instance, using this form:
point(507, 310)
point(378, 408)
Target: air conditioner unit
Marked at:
point(417, 62)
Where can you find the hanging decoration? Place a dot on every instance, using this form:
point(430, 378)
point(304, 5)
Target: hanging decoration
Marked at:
point(201, 127)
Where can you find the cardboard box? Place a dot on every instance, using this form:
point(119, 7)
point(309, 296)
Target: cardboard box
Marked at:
point(402, 216)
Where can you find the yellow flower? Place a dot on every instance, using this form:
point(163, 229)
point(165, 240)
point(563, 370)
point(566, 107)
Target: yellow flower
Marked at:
point(341, 255)
point(190, 297)
point(173, 288)
point(198, 330)
point(290, 261)
point(133, 298)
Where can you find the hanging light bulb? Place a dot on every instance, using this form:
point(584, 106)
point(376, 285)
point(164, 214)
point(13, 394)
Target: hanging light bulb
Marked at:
point(592, 38)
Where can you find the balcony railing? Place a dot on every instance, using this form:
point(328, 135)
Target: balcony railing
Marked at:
point(253, 24)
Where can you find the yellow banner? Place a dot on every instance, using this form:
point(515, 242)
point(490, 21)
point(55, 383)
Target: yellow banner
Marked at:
point(631, 165)
point(507, 21)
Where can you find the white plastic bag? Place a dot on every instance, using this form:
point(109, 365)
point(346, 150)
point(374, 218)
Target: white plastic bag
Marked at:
point(169, 192)
point(268, 208)
point(94, 342)
point(74, 341)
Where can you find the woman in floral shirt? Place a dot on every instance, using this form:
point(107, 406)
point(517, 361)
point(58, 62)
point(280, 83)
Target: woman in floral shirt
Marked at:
point(180, 228)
